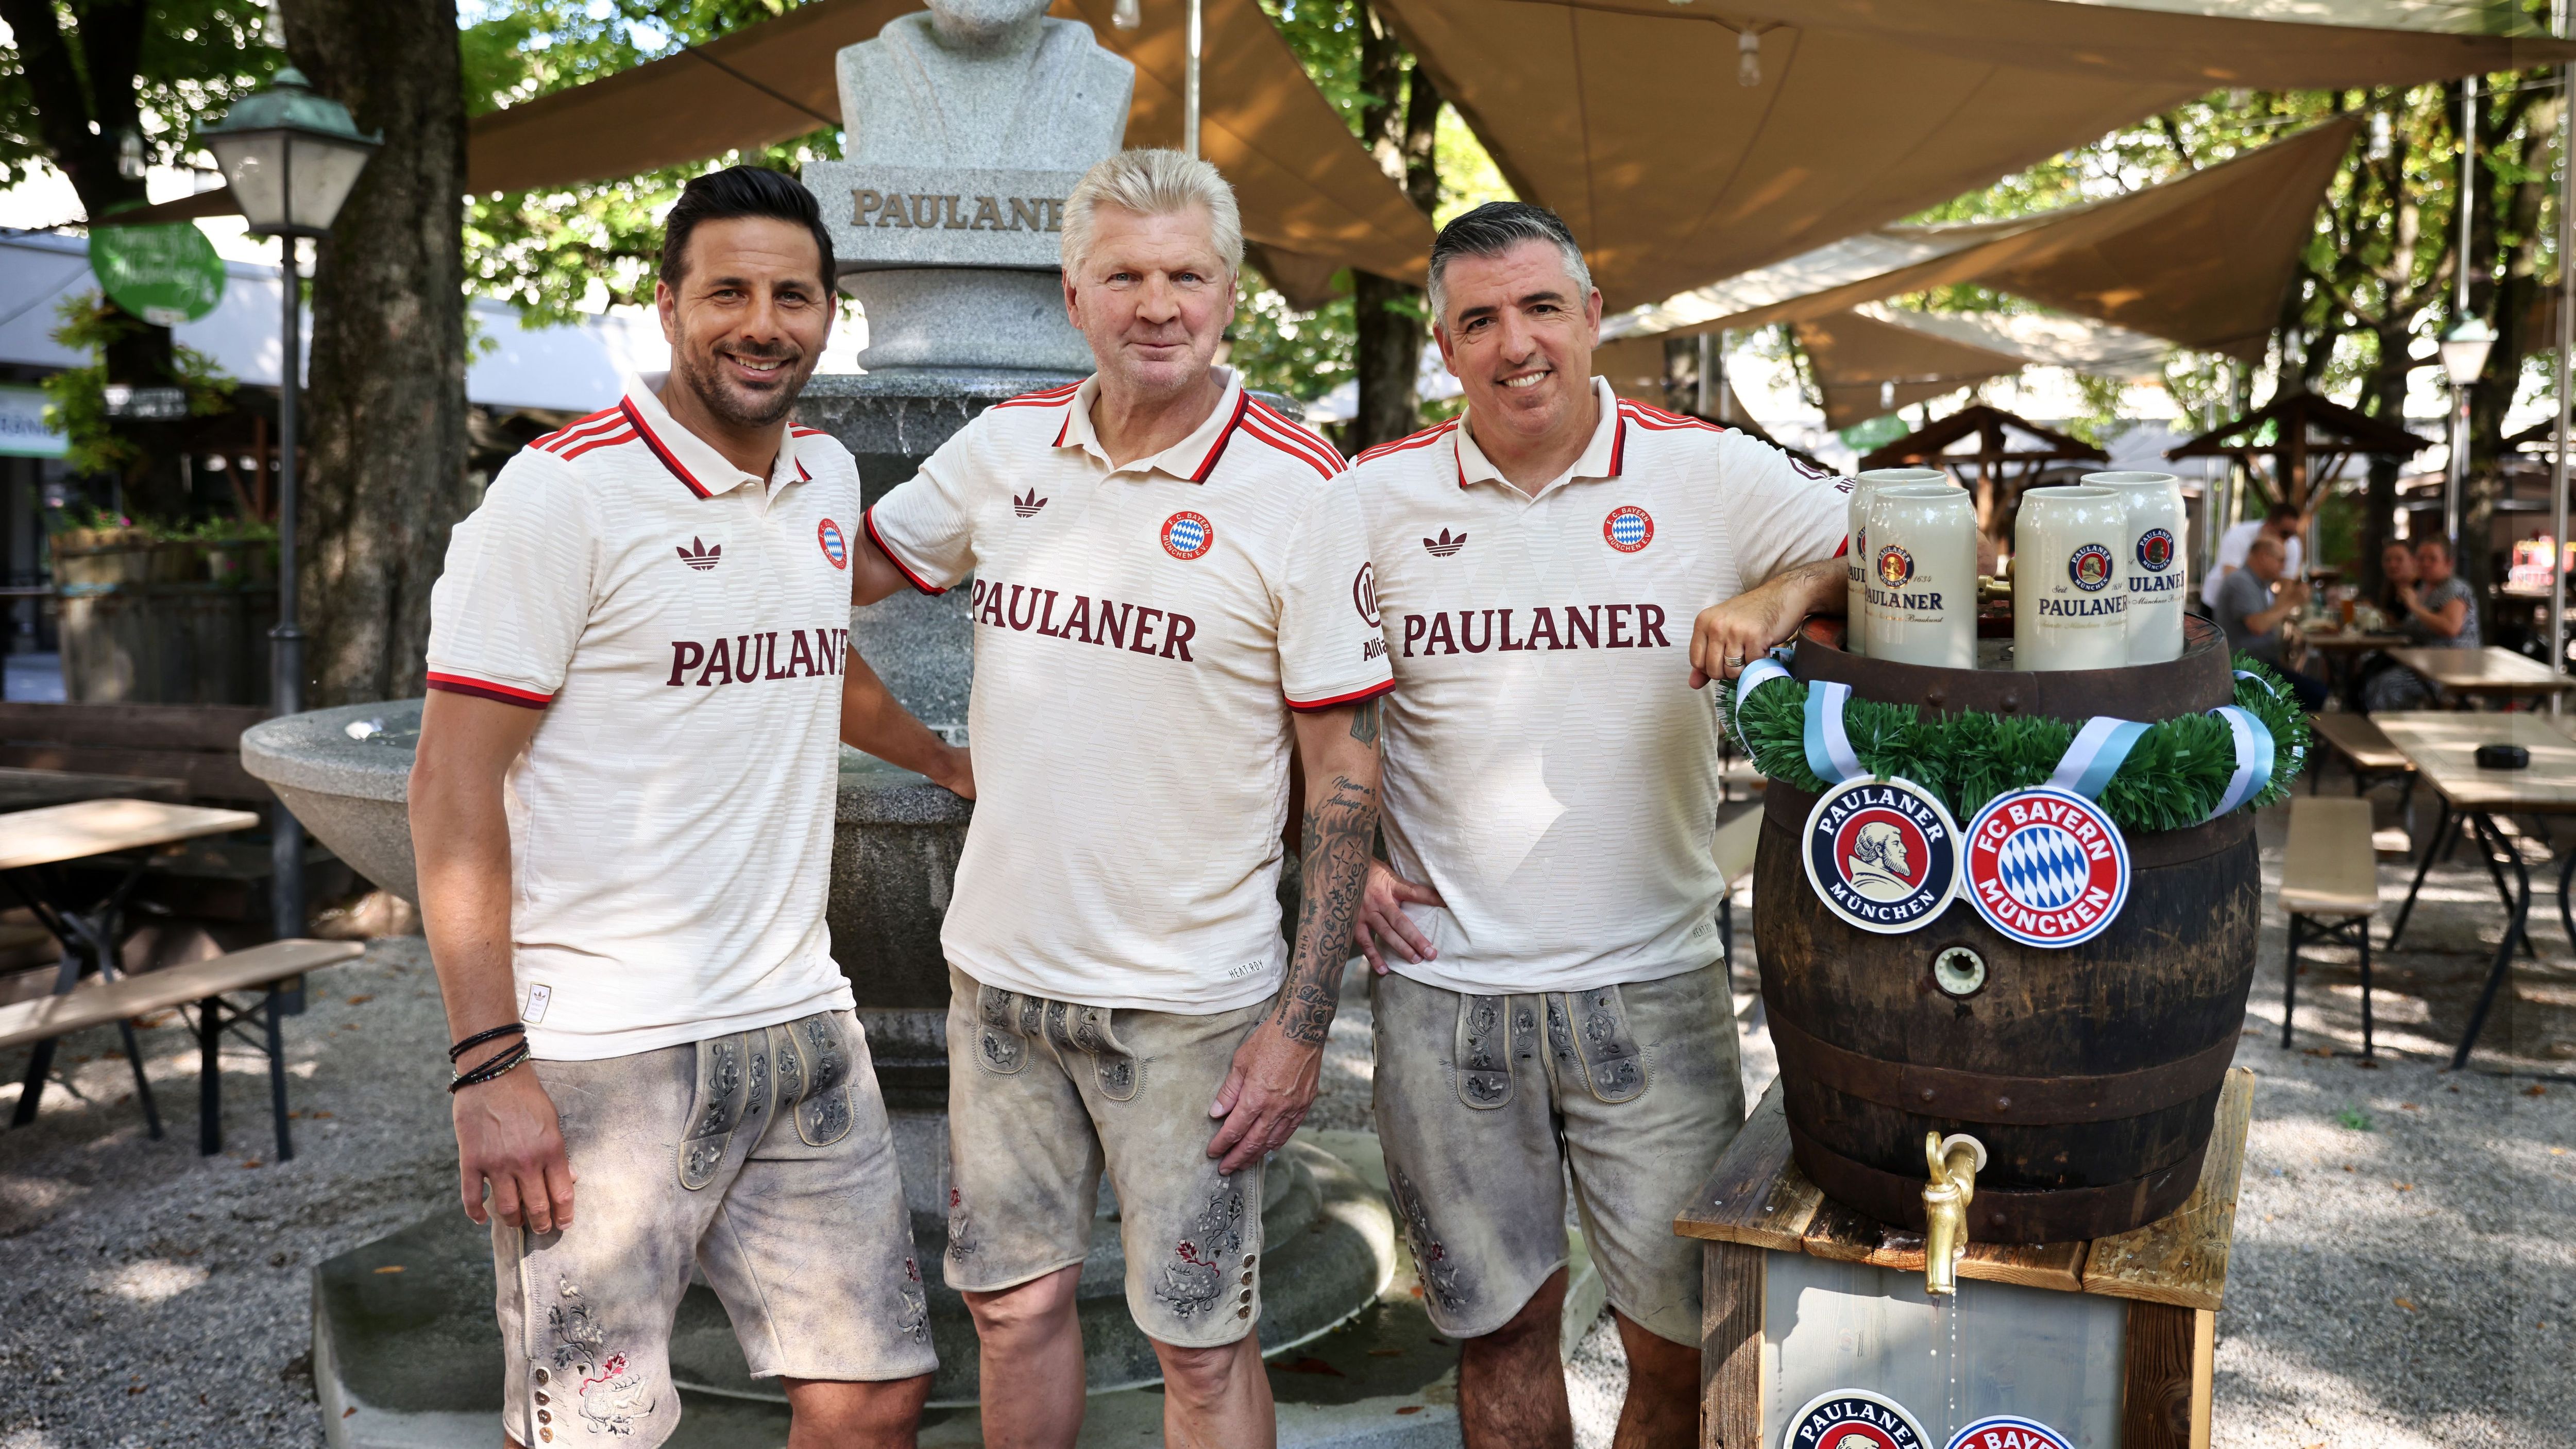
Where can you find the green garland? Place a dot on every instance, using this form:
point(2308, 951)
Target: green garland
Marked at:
point(2178, 771)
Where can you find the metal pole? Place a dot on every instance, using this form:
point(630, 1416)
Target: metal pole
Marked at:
point(2456, 483)
point(1190, 88)
point(2566, 351)
point(286, 642)
point(1707, 376)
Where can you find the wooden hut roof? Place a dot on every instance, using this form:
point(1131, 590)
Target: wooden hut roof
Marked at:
point(1928, 445)
point(2344, 430)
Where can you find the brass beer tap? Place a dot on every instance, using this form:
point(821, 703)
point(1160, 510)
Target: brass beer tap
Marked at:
point(1955, 1160)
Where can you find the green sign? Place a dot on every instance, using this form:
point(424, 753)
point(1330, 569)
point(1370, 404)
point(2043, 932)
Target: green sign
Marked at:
point(165, 275)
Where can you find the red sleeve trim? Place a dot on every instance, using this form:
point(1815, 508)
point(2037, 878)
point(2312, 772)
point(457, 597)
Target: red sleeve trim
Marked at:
point(868, 521)
point(1354, 697)
point(485, 689)
point(1843, 547)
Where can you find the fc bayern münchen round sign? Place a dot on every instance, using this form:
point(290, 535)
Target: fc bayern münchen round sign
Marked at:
point(1882, 854)
point(2046, 867)
point(2008, 1431)
point(1852, 1419)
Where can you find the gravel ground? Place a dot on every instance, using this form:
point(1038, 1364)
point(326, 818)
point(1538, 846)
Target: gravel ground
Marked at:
point(2403, 1275)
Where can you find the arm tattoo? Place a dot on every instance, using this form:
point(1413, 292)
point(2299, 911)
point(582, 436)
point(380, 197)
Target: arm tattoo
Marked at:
point(1334, 851)
point(1364, 723)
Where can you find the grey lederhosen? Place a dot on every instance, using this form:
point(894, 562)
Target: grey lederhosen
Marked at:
point(1045, 1095)
point(765, 1157)
point(1483, 1102)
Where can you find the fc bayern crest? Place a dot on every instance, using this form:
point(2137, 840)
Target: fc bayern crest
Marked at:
point(1628, 529)
point(1895, 566)
point(1882, 854)
point(1186, 535)
point(835, 547)
point(2090, 567)
point(1852, 1419)
point(2155, 550)
point(2008, 1431)
point(2046, 867)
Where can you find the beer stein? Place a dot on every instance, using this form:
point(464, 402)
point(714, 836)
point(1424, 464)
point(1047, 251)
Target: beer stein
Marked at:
point(2070, 590)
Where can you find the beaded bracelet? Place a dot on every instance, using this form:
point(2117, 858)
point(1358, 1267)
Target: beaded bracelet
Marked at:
point(480, 1037)
point(498, 1066)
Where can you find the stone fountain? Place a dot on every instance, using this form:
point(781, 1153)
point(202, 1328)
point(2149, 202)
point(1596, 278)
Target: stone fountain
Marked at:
point(967, 127)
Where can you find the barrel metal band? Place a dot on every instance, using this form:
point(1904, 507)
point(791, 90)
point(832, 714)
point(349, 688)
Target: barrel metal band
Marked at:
point(2006, 1215)
point(1987, 1097)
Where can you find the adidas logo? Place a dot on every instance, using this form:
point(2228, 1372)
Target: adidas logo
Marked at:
point(700, 557)
point(1444, 545)
point(1029, 504)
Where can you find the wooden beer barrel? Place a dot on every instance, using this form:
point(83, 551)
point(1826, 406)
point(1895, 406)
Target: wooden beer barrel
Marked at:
point(2091, 1073)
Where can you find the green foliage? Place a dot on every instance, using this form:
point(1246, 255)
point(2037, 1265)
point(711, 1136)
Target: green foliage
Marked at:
point(2173, 778)
point(2353, 1119)
point(561, 253)
point(1280, 349)
point(77, 396)
point(196, 59)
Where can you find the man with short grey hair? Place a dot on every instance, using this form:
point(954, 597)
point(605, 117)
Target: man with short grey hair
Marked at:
point(1168, 601)
point(1559, 570)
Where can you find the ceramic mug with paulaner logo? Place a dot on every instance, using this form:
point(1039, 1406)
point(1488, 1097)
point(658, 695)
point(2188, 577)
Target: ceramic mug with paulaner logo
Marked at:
point(1922, 575)
point(2070, 592)
point(1856, 545)
point(2153, 561)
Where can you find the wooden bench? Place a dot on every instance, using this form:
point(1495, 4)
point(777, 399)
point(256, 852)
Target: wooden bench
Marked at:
point(199, 744)
point(1738, 842)
point(2363, 747)
point(269, 969)
point(2330, 887)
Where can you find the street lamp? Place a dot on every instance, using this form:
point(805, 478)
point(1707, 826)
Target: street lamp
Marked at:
point(291, 156)
point(2464, 356)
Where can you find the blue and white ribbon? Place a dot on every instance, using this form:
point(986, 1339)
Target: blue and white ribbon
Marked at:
point(1829, 748)
point(2253, 758)
point(2099, 748)
point(2297, 753)
point(1756, 674)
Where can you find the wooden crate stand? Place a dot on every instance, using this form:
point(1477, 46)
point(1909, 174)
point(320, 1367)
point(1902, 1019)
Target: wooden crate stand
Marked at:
point(2109, 1342)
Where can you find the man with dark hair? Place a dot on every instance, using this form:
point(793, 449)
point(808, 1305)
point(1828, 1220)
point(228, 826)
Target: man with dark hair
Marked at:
point(1558, 570)
point(622, 813)
point(2282, 524)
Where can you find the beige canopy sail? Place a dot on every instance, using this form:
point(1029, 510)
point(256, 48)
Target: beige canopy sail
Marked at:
point(1306, 186)
point(1873, 359)
point(1627, 116)
point(2201, 260)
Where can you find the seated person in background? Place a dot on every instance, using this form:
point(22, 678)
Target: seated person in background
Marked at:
point(2434, 610)
point(2397, 576)
point(2252, 613)
point(2284, 525)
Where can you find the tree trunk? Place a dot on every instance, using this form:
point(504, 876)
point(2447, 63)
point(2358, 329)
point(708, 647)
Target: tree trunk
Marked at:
point(2384, 398)
point(384, 454)
point(1387, 313)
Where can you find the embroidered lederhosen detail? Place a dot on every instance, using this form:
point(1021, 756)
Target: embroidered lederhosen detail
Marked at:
point(1193, 1280)
point(914, 1320)
point(998, 1048)
point(1117, 1071)
point(716, 1111)
point(1439, 1273)
point(588, 1380)
point(961, 1228)
point(1611, 1064)
point(824, 1116)
point(1484, 1051)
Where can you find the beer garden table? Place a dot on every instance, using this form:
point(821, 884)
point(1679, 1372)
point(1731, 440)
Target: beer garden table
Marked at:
point(2471, 673)
point(2444, 747)
point(35, 844)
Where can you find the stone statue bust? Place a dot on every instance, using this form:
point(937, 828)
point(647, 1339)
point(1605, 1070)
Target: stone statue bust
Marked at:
point(986, 84)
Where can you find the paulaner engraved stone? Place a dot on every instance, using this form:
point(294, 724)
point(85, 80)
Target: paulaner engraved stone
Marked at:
point(967, 126)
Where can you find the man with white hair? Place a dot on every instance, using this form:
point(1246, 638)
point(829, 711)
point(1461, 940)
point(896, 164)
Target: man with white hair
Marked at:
point(1168, 596)
point(1559, 569)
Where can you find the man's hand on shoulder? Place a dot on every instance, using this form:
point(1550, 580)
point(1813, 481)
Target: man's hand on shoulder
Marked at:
point(507, 1134)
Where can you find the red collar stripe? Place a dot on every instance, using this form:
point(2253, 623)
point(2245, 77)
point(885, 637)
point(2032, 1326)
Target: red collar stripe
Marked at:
point(635, 417)
point(1618, 444)
point(486, 689)
point(1421, 439)
point(868, 521)
point(606, 417)
point(1061, 433)
point(1261, 423)
point(1224, 435)
point(1303, 706)
point(806, 432)
point(600, 440)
